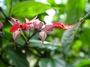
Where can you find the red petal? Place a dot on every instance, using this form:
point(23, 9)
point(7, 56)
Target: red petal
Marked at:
point(14, 28)
point(59, 25)
point(64, 26)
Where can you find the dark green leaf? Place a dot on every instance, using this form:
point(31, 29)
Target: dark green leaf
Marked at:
point(85, 37)
point(46, 62)
point(2, 64)
point(18, 58)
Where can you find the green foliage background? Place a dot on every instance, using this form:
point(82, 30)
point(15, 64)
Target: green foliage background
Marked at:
point(62, 48)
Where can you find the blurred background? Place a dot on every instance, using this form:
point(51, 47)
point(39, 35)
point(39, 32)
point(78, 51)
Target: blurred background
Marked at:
point(62, 48)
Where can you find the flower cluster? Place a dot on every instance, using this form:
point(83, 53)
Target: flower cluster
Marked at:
point(35, 24)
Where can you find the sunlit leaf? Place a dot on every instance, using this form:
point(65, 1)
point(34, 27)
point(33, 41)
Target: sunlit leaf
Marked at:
point(74, 10)
point(84, 63)
point(7, 3)
point(29, 8)
point(51, 2)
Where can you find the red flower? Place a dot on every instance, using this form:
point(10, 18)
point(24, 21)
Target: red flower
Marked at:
point(15, 28)
point(15, 24)
point(36, 24)
point(64, 26)
point(28, 25)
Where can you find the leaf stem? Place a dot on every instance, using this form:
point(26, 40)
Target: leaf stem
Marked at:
point(1, 10)
point(24, 37)
point(33, 34)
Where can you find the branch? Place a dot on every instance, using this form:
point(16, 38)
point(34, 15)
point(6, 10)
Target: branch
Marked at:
point(33, 34)
point(4, 14)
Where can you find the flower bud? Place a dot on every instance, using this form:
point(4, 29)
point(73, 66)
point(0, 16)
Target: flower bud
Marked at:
point(38, 24)
point(42, 35)
point(1, 25)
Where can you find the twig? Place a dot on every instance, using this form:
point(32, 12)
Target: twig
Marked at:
point(4, 14)
point(33, 34)
point(86, 15)
point(27, 42)
point(26, 46)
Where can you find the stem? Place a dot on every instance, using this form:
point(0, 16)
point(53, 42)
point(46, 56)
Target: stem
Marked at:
point(86, 14)
point(33, 34)
point(24, 37)
point(1, 39)
point(4, 14)
point(26, 46)
point(27, 40)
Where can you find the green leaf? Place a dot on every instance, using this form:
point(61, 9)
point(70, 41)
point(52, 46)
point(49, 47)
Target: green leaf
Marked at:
point(84, 63)
point(88, 1)
point(47, 45)
point(74, 10)
point(47, 62)
point(18, 58)
point(77, 45)
point(67, 39)
point(20, 41)
point(2, 64)
point(28, 8)
point(85, 37)
point(7, 3)
point(52, 2)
